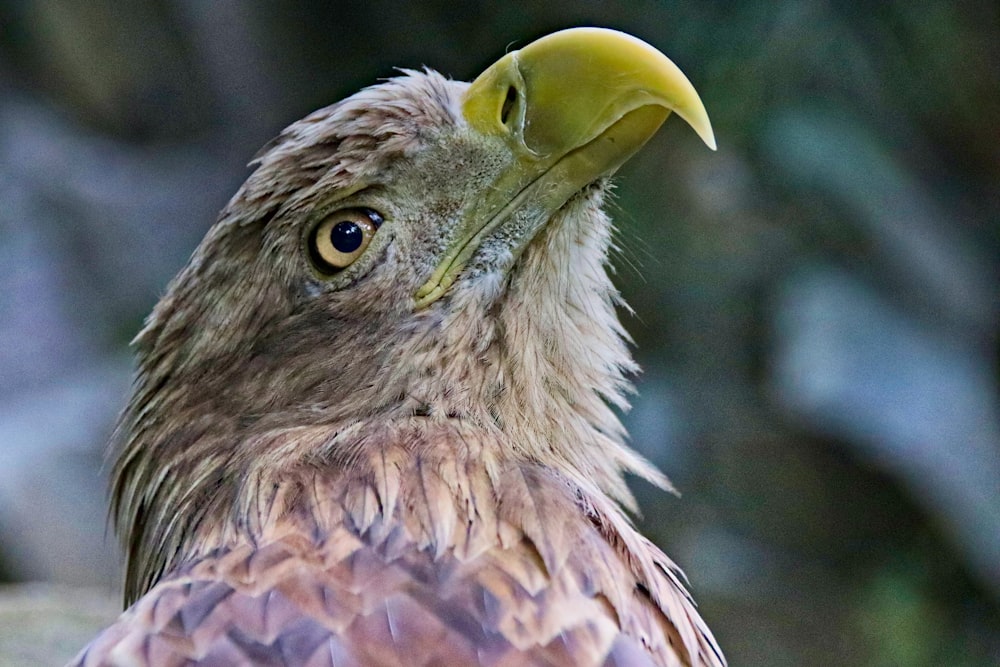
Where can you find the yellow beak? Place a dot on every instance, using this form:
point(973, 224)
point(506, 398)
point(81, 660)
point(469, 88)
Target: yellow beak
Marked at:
point(571, 107)
point(575, 84)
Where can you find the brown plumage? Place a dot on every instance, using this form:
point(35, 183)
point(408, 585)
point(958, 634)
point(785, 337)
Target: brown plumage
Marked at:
point(414, 459)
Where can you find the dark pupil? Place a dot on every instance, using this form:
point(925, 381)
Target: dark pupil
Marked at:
point(346, 236)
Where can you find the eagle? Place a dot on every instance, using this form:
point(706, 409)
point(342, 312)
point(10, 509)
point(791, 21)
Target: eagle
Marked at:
point(374, 420)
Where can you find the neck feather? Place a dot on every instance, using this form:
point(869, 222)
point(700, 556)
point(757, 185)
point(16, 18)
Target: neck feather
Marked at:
point(530, 367)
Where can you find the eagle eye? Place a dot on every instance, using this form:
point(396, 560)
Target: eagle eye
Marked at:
point(341, 237)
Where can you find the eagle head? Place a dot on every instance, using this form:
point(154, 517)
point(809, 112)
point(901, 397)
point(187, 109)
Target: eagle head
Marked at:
point(424, 248)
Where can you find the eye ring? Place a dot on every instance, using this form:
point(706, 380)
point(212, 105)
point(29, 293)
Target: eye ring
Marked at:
point(340, 238)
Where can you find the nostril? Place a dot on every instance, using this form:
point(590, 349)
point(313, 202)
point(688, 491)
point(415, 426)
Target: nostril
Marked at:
point(508, 104)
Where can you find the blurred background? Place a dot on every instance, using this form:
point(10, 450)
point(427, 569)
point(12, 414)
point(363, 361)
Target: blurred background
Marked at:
point(816, 303)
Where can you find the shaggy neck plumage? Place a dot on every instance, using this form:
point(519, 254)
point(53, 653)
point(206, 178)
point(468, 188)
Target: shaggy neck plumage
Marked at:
point(521, 370)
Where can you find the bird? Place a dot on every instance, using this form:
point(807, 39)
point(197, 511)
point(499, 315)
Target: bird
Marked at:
point(375, 417)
